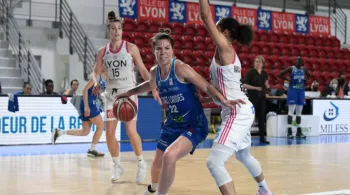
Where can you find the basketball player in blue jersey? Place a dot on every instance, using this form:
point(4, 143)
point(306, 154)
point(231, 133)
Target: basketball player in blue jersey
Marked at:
point(186, 125)
point(89, 114)
point(295, 94)
point(117, 60)
point(234, 136)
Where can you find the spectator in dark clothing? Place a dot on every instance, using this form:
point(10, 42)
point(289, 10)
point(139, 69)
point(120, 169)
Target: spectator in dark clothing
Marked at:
point(313, 87)
point(347, 89)
point(256, 83)
point(331, 89)
point(282, 104)
point(49, 88)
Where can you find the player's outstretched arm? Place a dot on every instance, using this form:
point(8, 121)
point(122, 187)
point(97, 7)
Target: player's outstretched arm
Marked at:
point(189, 75)
point(143, 87)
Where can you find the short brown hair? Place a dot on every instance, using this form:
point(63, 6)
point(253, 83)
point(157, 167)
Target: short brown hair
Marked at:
point(164, 33)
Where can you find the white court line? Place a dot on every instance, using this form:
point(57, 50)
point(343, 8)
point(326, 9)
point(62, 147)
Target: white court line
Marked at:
point(341, 192)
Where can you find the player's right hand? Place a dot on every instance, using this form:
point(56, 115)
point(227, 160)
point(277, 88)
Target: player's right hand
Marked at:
point(156, 96)
point(86, 111)
point(258, 88)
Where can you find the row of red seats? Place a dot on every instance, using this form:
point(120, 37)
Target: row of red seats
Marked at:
point(294, 50)
point(131, 25)
point(200, 43)
point(294, 38)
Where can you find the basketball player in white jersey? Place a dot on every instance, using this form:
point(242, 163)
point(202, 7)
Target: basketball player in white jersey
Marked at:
point(116, 60)
point(234, 134)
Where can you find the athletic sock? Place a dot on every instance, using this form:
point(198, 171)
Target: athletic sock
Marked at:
point(93, 147)
point(116, 160)
point(263, 186)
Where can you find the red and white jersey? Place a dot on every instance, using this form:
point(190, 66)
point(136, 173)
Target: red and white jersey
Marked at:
point(227, 79)
point(119, 67)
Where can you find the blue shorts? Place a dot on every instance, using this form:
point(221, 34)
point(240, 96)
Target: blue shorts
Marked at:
point(195, 135)
point(296, 96)
point(94, 111)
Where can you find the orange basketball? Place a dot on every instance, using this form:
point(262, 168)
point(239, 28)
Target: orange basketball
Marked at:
point(124, 109)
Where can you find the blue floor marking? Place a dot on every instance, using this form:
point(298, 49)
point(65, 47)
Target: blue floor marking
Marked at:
point(24, 150)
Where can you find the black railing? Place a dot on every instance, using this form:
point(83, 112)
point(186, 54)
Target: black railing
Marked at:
point(78, 39)
point(30, 70)
point(339, 18)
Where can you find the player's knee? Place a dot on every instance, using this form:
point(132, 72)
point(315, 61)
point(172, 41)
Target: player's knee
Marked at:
point(110, 134)
point(290, 119)
point(169, 158)
point(298, 119)
point(214, 164)
point(216, 167)
point(243, 155)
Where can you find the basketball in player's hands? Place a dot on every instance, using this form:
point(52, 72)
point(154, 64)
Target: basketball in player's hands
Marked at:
point(124, 109)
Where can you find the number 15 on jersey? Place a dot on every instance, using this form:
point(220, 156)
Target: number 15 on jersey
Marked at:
point(115, 72)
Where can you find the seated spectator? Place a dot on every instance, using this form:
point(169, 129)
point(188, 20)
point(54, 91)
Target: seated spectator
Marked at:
point(27, 89)
point(347, 89)
point(74, 84)
point(331, 89)
point(49, 88)
point(282, 104)
point(313, 87)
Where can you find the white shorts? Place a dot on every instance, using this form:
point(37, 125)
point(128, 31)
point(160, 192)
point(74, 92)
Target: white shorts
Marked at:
point(235, 126)
point(110, 99)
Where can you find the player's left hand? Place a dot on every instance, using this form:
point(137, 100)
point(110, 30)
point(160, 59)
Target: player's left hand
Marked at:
point(232, 103)
point(122, 95)
point(156, 96)
point(96, 90)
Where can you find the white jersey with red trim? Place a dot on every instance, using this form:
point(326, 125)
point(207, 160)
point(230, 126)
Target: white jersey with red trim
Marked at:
point(119, 67)
point(227, 79)
point(234, 130)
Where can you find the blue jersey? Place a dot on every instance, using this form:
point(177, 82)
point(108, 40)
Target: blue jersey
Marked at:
point(94, 103)
point(297, 78)
point(184, 110)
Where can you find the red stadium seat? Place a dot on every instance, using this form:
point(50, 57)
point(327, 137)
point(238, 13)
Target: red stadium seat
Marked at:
point(200, 57)
point(177, 28)
point(284, 38)
point(167, 25)
point(129, 24)
point(201, 30)
point(209, 54)
point(138, 38)
point(301, 39)
point(310, 40)
point(178, 41)
point(274, 37)
point(254, 48)
point(189, 29)
point(154, 26)
point(142, 26)
point(199, 43)
point(188, 42)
